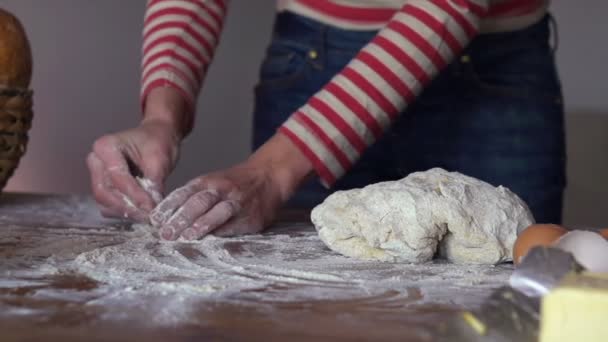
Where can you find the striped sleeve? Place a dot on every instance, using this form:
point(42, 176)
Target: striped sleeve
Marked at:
point(179, 40)
point(350, 113)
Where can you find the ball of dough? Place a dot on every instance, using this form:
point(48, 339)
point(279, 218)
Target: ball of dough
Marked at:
point(461, 218)
point(15, 53)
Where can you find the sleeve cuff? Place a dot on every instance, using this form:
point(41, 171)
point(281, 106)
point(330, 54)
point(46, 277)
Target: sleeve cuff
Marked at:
point(326, 168)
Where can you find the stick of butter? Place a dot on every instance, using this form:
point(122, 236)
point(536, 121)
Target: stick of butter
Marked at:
point(576, 310)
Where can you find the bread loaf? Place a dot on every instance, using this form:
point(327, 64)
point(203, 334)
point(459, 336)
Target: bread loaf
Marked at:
point(15, 53)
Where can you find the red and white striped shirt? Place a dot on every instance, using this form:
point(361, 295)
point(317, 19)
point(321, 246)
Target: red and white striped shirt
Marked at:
point(416, 40)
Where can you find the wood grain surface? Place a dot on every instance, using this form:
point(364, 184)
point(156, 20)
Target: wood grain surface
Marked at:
point(63, 306)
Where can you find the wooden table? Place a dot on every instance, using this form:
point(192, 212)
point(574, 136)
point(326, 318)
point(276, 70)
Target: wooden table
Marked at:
point(294, 289)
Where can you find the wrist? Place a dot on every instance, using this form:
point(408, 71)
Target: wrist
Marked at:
point(169, 127)
point(167, 106)
point(287, 166)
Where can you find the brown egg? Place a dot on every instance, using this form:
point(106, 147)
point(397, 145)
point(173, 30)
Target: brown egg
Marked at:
point(536, 235)
point(604, 233)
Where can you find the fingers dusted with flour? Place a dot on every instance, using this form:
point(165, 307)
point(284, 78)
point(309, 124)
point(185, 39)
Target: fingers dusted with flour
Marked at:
point(206, 203)
point(214, 218)
point(240, 200)
point(112, 202)
point(128, 168)
point(182, 208)
point(114, 154)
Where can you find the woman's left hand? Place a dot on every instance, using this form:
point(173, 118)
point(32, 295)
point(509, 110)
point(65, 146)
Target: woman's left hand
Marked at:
point(242, 199)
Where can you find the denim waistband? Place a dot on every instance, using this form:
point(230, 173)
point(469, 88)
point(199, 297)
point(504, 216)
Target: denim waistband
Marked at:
point(304, 30)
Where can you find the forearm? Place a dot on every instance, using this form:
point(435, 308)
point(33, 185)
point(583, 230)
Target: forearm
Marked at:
point(168, 105)
point(179, 41)
point(361, 102)
point(288, 167)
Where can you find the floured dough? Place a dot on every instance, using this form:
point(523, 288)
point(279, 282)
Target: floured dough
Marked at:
point(464, 219)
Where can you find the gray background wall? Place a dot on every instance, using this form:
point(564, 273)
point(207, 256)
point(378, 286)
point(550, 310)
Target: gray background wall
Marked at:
point(86, 81)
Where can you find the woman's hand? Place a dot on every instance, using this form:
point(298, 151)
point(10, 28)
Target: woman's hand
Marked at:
point(242, 199)
point(128, 169)
point(152, 148)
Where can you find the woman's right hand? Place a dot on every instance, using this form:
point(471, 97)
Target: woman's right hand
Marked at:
point(120, 161)
point(129, 168)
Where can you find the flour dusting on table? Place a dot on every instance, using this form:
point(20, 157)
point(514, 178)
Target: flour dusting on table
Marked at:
point(167, 281)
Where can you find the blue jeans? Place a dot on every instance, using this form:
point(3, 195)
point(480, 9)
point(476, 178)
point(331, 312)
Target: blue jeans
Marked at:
point(495, 113)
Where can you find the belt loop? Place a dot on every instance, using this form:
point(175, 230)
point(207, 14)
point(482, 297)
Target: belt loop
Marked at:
point(324, 44)
point(555, 33)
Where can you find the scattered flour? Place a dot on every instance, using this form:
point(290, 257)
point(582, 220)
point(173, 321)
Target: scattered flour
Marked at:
point(151, 188)
point(128, 202)
point(165, 282)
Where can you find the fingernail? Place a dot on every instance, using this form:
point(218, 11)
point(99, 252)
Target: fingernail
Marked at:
point(190, 234)
point(156, 219)
point(167, 233)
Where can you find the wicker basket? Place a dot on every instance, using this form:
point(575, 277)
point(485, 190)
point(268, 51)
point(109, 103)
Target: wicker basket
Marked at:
point(15, 121)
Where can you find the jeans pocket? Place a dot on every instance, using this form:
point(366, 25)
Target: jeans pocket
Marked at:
point(518, 77)
point(517, 88)
point(285, 63)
